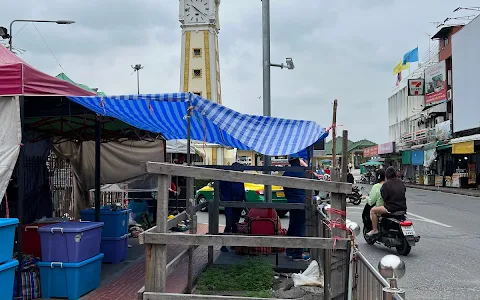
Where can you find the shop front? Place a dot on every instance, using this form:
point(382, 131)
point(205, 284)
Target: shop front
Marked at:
point(392, 159)
point(466, 157)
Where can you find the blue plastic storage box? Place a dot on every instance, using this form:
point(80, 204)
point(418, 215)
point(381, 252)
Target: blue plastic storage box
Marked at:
point(7, 237)
point(7, 277)
point(115, 249)
point(70, 242)
point(115, 221)
point(70, 280)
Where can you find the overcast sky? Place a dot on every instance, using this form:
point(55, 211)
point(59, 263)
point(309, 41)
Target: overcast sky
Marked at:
point(344, 49)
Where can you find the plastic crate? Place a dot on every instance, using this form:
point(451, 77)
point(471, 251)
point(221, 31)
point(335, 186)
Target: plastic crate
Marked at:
point(115, 249)
point(31, 238)
point(7, 278)
point(115, 221)
point(7, 237)
point(70, 280)
point(70, 242)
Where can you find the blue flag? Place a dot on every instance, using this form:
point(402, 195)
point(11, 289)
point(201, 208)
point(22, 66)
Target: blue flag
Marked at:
point(411, 56)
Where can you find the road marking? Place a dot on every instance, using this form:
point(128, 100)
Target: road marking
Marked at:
point(416, 217)
point(429, 220)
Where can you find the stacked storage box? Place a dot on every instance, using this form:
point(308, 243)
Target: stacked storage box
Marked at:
point(7, 265)
point(31, 237)
point(71, 259)
point(114, 234)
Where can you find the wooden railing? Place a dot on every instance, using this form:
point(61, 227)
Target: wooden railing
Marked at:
point(157, 238)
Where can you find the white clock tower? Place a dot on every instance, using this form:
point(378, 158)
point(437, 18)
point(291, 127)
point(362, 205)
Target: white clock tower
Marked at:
point(200, 65)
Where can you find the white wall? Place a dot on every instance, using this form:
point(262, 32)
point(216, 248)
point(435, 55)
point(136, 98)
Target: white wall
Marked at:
point(465, 76)
point(401, 110)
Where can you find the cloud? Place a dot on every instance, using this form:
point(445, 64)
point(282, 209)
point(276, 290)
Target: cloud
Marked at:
point(343, 50)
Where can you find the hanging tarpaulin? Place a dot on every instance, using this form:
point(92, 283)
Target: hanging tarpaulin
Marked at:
point(10, 139)
point(406, 157)
point(418, 157)
point(210, 123)
point(429, 157)
point(464, 148)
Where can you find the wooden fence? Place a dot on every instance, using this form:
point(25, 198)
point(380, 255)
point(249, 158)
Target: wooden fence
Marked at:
point(335, 249)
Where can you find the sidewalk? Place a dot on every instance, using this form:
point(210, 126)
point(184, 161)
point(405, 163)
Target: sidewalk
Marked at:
point(450, 190)
point(125, 283)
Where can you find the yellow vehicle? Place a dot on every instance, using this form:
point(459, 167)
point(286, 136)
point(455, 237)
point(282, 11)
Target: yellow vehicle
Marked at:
point(254, 193)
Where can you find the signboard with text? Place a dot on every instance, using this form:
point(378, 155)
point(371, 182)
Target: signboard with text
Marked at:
point(370, 151)
point(416, 87)
point(436, 84)
point(386, 148)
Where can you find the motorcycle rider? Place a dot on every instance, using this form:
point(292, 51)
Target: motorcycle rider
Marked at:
point(374, 199)
point(393, 195)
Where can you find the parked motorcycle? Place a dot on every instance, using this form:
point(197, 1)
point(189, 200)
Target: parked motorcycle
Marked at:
point(394, 230)
point(356, 196)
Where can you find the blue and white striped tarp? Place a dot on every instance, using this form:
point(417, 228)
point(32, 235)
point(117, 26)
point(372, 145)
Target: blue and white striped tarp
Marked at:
point(211, 122)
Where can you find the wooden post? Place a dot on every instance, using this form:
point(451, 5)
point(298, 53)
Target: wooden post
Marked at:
point(339, 258)
point(214, 215)
point(156, 255)
point(334, 142)
point(192, 215)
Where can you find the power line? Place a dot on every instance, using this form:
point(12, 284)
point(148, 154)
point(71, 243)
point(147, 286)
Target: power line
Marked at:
point(51, 52)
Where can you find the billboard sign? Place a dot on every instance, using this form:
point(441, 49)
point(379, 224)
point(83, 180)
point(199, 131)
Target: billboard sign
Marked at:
point(370, 151)
point(416, 87)
point(436, 84)
point(386, 148)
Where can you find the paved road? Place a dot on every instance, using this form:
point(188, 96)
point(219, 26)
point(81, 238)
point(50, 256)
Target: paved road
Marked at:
point(445, 264)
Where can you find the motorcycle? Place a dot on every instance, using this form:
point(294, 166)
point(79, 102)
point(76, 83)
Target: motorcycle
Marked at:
point(356, 196)
point(394, 230)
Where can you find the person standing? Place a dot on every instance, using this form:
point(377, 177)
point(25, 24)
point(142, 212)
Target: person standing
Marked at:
point(232, 191)
point(297, 220)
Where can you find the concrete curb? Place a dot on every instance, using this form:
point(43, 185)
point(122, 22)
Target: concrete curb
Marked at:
point(456, 191)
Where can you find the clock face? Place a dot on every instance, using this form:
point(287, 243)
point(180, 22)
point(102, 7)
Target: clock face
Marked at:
point(196, 11)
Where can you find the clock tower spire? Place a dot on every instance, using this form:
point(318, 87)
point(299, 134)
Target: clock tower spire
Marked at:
point(200, 65)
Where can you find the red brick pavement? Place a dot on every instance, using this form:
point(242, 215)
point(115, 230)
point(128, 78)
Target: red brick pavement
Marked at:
point(126, 285)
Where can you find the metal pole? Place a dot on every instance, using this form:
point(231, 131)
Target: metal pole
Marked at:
point(138, 82)
point(21, 195)
point(266, 81)
point(98, 135)
point(11, 37)
point(333, 171)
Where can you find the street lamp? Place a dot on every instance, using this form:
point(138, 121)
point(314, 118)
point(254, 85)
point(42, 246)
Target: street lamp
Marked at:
point(4, 34)
point(266, 79)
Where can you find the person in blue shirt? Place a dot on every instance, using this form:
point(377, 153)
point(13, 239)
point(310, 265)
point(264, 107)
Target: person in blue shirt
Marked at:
point(232, 191)
point(296, 225)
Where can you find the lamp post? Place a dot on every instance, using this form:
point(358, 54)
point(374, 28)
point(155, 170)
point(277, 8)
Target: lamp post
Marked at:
point(137, 68)
point(266, 79)
point(10, 36)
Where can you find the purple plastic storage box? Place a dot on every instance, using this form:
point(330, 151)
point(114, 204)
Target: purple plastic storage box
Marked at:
point(70, 242)
point(114, 249)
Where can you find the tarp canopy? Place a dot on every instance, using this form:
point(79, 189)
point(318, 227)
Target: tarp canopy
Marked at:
point(210, 122)
point(64, 76)
point(371, 163)
point(19, 78)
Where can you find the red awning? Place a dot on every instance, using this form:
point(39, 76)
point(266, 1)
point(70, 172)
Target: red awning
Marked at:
point(19, 78)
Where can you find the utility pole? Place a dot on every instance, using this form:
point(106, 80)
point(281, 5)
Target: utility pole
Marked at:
point(137, 68)
point(266, 81)
point(334, 141)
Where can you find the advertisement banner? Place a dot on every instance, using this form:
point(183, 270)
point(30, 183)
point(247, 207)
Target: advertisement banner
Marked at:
point(435, 84)
point(463, 148)
point(370, 151)
point(443, 131)
point(416, 87)
point(429, 157)
point(418, 157)
point(386, 148)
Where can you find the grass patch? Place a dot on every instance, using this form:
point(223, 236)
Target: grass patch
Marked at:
point(254, 276)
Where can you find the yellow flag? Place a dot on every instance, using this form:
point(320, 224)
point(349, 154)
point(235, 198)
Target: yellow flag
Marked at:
point(399, 67)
